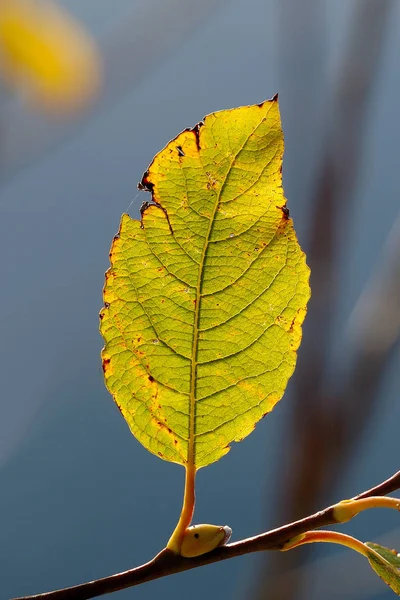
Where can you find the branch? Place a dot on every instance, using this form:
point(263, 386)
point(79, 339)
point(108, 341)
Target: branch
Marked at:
point(167, 563)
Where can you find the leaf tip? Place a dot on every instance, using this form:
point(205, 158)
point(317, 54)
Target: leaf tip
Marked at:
point(272, 100)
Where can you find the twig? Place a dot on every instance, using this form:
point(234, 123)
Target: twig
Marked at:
point(167, 563)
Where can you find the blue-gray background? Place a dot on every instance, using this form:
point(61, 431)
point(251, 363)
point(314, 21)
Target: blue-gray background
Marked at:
point(79, 497)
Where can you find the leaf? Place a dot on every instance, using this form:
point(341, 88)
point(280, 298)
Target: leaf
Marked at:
point(205, 297)
point(386, 563)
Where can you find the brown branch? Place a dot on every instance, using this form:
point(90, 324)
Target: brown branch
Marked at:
point(168, 563)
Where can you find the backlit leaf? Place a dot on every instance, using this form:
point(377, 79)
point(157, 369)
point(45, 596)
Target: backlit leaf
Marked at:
point(205, 297)
point(386, 563)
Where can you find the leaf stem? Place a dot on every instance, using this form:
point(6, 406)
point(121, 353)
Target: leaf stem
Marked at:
point(189, 498)
point(332, 537)
point(347, 509)
point(167, 562)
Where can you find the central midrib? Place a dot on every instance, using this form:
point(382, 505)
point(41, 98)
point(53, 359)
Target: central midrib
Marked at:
point(191, 452)
point(192, 399)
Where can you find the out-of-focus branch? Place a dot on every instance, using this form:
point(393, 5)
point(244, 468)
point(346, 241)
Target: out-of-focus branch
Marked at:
point(168, 563)
point(375, 322)
point(332, 206)
point(324, 428)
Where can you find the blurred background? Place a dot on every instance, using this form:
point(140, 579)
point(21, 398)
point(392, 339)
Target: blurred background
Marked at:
point(89, 92)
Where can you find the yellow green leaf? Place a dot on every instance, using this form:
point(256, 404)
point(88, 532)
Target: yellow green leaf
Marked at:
point(386, 563)
point(205, 296)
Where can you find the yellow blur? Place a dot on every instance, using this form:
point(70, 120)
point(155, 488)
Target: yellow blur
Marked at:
point(46, 56)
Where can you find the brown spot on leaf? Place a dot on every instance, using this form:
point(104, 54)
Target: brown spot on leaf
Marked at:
point(298, 317)
point(211, 181)
point(282, 225)
point(196, 131)
point(145, 184)
point(151, 378)
point(144, 206)
point(180, 151)
point(148, 205)
point(285, 212)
